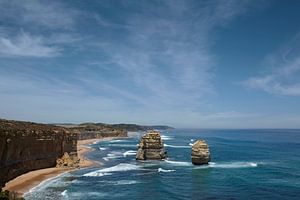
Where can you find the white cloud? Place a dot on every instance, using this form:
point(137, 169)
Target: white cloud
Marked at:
point(27, 45)
point(283, 77)
point(49, 14)
point(166, 49)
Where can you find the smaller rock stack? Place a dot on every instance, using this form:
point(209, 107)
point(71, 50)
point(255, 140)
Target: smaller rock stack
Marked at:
point(67, 161)
point(151, 147)
point(200, 153)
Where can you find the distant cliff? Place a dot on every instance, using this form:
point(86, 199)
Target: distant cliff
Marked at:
point(127, 127)
point(136, 127)
point(96, 131)
point(26, 146)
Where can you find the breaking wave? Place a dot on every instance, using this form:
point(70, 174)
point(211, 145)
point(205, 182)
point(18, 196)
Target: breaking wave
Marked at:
point(225, 165)
point(178, 163)
point(122, 182)
point(117, 168)
point(116, 141)
point(233, 165)
point(123, 145)
point(175, 146)
point(165, 170)
point(64, 193)
point(113, 155)
point(165, 137)
point(129, 153)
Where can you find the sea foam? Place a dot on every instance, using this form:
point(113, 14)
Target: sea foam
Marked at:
point(175, 146)
point(117, 168)
point(129, 153)
point(165, 137)
point(113, 155)
point(123, 145)
point(178, 163)
point(165, 170)
point(116, 141)
point(233, 165)
point(64, 193)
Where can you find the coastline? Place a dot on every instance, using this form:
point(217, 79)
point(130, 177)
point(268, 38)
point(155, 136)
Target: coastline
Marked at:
point(25, 182)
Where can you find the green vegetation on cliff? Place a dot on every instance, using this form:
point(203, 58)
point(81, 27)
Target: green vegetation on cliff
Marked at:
point(127, 127)
point(6, 195)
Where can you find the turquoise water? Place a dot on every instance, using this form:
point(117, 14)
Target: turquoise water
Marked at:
point(246, 164)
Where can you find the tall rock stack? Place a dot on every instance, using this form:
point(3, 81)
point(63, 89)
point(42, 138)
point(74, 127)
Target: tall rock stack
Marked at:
point(151, 147)
point(200, 153)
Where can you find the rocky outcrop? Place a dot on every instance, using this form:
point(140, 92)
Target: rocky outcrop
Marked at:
point(67, 161)
point(200, 153)
point(26, 146)
point(151, 147)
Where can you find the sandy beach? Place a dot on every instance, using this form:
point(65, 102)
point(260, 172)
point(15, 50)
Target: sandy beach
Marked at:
point(25, 182)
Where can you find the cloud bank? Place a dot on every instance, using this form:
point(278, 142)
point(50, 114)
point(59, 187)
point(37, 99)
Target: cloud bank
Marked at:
point(283, 71)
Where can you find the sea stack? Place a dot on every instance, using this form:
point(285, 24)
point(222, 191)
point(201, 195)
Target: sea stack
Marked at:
point(200, 153)
point(151, 147)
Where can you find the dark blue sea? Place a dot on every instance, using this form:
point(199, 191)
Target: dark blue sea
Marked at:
point(246, 164)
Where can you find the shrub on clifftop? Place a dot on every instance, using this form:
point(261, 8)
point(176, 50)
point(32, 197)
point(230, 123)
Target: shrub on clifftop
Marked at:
point(6, 195)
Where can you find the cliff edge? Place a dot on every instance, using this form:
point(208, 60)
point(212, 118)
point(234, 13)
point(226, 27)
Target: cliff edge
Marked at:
point(26, 146)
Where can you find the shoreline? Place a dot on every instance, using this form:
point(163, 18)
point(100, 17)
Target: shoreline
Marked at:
point(26, 182)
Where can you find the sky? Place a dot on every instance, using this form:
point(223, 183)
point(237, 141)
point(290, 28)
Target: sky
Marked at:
point(187, 64)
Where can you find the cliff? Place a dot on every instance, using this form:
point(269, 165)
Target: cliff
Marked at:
point(26, 146)
point(127, 127)
point(136, 127)
point(151, 147)
point(96, 131)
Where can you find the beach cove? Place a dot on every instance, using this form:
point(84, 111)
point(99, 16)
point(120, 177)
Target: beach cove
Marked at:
point(26, 182)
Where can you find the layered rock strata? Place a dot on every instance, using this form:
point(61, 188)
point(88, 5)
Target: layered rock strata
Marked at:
point(26, 146)
point(151, 147)
point(200, 153)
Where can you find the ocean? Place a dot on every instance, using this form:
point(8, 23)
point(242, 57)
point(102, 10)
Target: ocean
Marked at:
point(245, 164)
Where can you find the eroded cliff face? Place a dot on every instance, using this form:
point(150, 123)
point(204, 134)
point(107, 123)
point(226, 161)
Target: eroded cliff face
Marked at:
point(151, 147)
point(26, 146)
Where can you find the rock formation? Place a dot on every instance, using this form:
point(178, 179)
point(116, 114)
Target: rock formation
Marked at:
point(200, 153)
point(151, 147)
point(67, 161)
point(26, 146)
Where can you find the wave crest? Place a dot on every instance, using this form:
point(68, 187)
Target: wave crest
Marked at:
point(129, 153)
point(175, 146)
point(165, 170)
point(117, 168)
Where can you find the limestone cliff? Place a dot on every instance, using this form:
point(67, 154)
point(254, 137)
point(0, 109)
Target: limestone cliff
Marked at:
point(96, 131)
point(200, 153)
point(26, 146)
point(151, 147)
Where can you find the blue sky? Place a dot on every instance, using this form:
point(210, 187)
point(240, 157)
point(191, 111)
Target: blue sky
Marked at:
point(197, 64)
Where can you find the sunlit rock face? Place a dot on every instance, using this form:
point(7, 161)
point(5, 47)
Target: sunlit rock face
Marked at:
point(151, 147)
point(200, 153)
point(26, 146)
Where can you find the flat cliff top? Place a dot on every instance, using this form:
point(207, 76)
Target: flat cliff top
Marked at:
point(128, 127)
point(11, 125)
